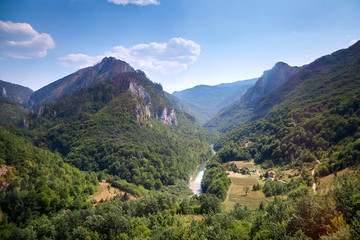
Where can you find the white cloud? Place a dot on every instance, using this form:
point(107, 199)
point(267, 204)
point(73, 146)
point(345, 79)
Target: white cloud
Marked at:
point(353, 41)
point(80, 60)
point(20, 40)
point(137, 2)
point(172, 57)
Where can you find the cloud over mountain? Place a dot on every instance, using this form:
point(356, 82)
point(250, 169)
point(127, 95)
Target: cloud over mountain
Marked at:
point(137, 2)
point(20, 40)
point(168, 58)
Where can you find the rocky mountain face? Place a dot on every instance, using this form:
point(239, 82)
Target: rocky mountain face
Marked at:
point(107, 69)
point(122, 78)
point(242, 110)
point(209, 100)
point(268, 82)
point(15, 93)
point(143, 111)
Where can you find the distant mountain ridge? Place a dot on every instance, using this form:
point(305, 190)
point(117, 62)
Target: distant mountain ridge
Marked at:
point(15, 93)
point(107, 69)
point(180, 104)
point(209, 100)
point(243, 110)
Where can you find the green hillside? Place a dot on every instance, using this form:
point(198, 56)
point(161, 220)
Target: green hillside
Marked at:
point(106, 128)
point(11, 113)
point(315, 115)
point(34, 181)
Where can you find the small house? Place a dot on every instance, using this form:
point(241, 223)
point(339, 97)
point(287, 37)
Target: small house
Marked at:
point(271, 174)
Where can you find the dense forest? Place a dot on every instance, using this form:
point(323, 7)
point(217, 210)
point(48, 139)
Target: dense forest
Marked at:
point(126, 133)
point(313, 116)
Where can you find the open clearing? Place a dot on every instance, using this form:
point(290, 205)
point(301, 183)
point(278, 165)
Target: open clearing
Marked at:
point(250, 164)
point(106, 194)
point(237, 194)
point(328, 183)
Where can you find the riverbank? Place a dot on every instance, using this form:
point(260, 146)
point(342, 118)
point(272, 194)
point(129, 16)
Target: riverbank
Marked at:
point(197, 176)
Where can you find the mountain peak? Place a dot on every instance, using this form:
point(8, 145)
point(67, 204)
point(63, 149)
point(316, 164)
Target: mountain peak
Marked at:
point(268, 82)
point(107, 69)
point(111, 61)
point(113, 64)
point(281, 64)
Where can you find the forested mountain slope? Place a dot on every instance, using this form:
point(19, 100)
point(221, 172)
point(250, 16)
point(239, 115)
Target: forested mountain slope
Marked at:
point(315, 115)
point(243, 110)
point(34, 181)
point(122, 129)
point(209, 100)
point(12, 113)
point(126, 127)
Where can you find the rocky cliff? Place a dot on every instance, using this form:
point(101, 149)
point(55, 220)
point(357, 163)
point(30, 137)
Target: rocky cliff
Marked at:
point(95, 88)
point(268, 82)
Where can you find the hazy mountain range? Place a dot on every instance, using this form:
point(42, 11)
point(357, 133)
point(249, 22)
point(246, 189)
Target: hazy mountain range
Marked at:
point(243, 110)
point(208, 100)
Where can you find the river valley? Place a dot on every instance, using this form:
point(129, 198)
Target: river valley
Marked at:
point(196, 178)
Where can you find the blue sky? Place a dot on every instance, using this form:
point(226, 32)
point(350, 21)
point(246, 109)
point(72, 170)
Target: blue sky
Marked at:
point(179, 43)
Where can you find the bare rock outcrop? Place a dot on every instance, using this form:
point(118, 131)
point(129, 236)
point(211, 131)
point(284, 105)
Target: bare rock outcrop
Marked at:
point(168, 117)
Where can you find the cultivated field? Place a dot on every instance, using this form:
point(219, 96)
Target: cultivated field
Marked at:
point(237, 194)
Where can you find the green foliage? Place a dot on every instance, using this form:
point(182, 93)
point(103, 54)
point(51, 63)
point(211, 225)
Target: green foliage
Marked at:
point(293, 188)
point(313, 116)
point(96, 129)
point(215, 180)
point(256, 187)
point(11, 113)
point(37, 181)
point(308, 178)
point(160, 216)
point(233, 152)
